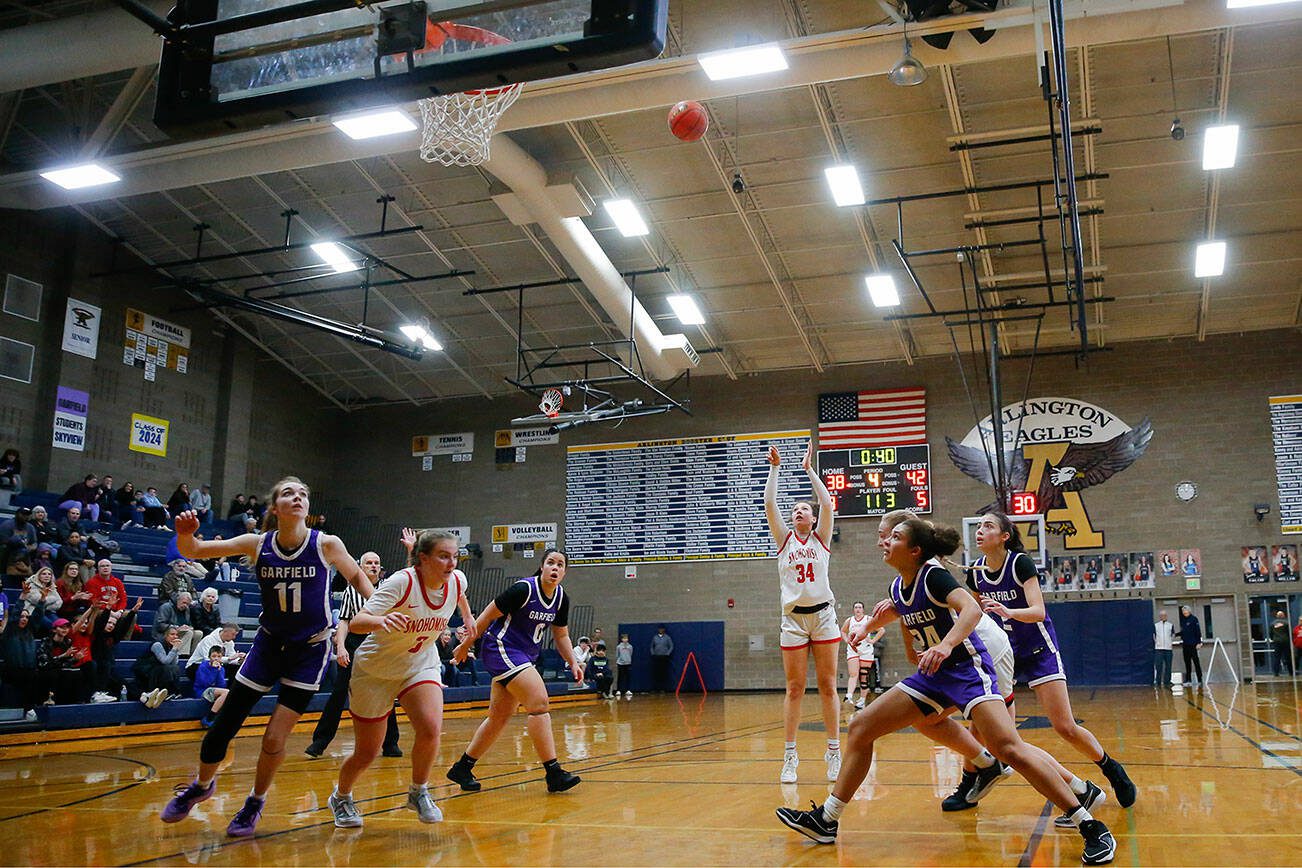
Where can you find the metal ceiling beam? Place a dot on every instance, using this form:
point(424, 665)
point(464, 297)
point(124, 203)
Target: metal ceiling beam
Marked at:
point(826, 57)
point(1214, 193)
point(118, 113)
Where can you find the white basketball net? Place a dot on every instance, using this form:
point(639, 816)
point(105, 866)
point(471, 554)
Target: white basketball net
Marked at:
point(456, 129)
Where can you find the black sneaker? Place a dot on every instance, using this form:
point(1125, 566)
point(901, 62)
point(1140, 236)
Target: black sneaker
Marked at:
point(957, 800)
point(559, 780)
point(985, 781)
point(391, 752)
point(461, 774)
point(1122, 785)
point(314, 750)
point(1099, 843)
point(1093, 796)
point(812, 824)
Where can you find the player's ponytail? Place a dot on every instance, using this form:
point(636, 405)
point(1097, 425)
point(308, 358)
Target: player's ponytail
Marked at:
point(935, 540)
point(1014, 542)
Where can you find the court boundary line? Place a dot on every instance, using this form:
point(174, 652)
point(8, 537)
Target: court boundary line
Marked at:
point(152, 775)
point(1033, 843)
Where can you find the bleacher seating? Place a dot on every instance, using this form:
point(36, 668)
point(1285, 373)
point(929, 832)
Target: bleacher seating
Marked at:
point(141, 564)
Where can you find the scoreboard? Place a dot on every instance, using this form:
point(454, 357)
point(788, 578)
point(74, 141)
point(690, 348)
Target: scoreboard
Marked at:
point(876, 480)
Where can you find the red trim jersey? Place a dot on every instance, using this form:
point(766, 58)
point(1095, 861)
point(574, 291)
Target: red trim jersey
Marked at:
point(802, 571)
point(394, 655)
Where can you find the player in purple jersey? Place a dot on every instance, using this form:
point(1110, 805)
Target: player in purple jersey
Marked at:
point(1010, 590)
point(292, 646)
point(954, 671)
point(513, 626)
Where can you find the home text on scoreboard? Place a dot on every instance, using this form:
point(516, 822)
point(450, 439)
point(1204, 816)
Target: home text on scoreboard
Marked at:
point(874, 481)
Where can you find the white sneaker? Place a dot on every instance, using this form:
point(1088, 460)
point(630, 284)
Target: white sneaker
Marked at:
point(30, 716)
point(628, 695)
point(157, 697)
point(789, 764)
point(833, 760)
point(849, 697)
point(860, 703)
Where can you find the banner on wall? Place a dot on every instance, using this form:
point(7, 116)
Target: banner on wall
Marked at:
point(1056, 448)
point(443, 444)
point(81, 328)
point(71, 408)
point(506, 438)
point(153, 343)
point(524, 533)
point(1286, 436)
point(148, 435)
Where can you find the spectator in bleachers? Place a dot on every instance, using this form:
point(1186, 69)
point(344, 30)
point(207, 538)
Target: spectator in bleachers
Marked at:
point(51, 653)
point(77, 671)
point(84, 494)
point(19, 539)
point(210, 685)
point(223, 638)
point(177, 615)
point(109, 626)
point(18, 656)
point(223, 570)
point(178, 562)
point(103, 579)
point(73, 551)
point(40, 594)
point(179, 502)
point(238, 507)
point(467, 667)
point(155, 514)
point(599, 667)
point(108, 502)
point(446, 647)
point(206, 617)
point(72, 589)
point(44, 556)
point(583, 653)
point(70, 522)
point(256, 509)
point(11, 470)
point(158, 670)
point(46, 530)
point(127, 511)
point(201, 503)
point(175, 582)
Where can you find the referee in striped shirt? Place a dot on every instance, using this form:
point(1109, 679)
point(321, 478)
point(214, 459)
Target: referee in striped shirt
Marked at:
point(346, 644)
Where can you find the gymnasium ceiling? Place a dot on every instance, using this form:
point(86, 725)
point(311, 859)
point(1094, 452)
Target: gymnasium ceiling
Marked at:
point(777, 270)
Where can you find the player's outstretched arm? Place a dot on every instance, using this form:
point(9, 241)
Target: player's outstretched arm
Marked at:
point(777, 527)
point(825, 511)
point(246, 544)
point(337, 556)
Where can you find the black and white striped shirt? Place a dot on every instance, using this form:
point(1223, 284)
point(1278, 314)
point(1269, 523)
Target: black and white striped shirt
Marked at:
point(352, 602)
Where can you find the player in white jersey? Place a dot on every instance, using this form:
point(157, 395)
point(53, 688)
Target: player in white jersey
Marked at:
point(853, 656)
point(808, 610)
point(400, 660)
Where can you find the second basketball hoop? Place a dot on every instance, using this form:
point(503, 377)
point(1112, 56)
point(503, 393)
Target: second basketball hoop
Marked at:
point(551, 403)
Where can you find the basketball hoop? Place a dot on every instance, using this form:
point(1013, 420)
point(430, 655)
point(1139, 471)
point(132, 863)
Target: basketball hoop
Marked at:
point(551, 403)
point(456, 129)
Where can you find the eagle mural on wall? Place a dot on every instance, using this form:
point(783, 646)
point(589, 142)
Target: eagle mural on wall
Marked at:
point(1059, 475)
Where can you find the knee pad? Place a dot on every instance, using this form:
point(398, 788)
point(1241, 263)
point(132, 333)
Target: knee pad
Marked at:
point(239, 702)
point(295, 699)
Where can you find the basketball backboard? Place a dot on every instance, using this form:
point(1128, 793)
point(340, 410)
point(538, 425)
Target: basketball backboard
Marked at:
point(240, 64)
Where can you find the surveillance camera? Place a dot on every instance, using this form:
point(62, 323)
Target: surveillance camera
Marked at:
point(1177, 131)
point(1261, 510)
point(738, 185)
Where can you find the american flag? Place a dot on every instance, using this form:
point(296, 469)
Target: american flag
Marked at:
point(893, 417)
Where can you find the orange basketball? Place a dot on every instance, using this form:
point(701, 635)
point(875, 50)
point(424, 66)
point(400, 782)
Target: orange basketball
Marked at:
point(688, 120)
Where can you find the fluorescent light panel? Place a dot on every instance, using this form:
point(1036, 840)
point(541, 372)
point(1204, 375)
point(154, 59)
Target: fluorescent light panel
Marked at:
point(1244, 4)
point(1209, 261)
point(740, 62)
point(686, 310)
point(420, 335)
point(76, 177)
point(335, 256)
point(375, 124)
point(843, 181)
point(881, 288)
point(627, 219)
point(1220, 146)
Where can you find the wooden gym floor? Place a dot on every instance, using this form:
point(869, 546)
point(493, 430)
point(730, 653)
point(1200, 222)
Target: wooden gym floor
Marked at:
point(664, 783)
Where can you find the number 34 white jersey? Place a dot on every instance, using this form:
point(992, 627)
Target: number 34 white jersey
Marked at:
point(396, 654)
point(802, 571)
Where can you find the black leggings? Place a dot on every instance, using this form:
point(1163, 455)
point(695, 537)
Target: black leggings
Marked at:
point(239, 702)
point(1191, 662)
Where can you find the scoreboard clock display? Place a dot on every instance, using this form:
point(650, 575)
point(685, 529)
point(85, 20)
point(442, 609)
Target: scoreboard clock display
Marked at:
point(876, 480)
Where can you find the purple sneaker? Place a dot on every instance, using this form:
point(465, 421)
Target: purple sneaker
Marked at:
point(245, 822)
point(187, 796)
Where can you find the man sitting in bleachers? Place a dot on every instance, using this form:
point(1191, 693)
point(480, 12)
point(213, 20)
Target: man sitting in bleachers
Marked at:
point(224, 638)
point(109, 626)
point(176, 582)
point(176, 616)
point(70, 522)
point(18, 537)
point(155, 514)
point(103, 579)
point(86, 495)
point(201, 503)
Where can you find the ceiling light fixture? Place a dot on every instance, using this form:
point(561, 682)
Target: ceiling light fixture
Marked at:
point(843, 181)
point(908, 71)
point(627, 219)
point(1220, 146)
point(375, 124)
point(1209, 260)
point(1244, 4)
point(881, 288)
point(686, 310)
point(77, 177)
point(741, 62)
point(334, 255)
point(418, 334)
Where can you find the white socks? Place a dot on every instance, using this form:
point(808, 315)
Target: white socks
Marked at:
point(833, 807)
point(1077, 786)
point(1078, 816)
point(834, 744)
point(983, 760)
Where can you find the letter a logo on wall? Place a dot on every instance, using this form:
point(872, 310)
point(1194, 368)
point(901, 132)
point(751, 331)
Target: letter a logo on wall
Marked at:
point(1055, 447)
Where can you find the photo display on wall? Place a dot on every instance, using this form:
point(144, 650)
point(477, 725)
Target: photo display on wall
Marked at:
point(1284, 563)
point(691, 499)
point(1256, 566)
